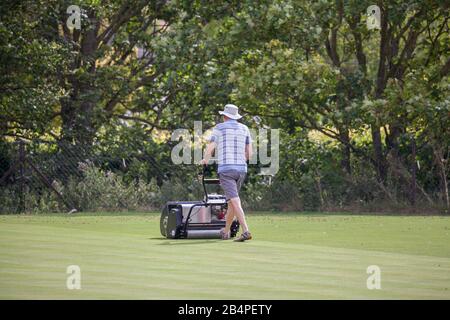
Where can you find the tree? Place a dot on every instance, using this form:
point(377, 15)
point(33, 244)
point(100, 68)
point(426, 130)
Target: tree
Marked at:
point(93, 70)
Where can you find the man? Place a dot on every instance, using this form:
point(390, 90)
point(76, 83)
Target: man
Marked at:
point(233, 146)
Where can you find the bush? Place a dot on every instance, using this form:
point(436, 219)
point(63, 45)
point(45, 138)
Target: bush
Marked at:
point(99, 190)
point(278, 195)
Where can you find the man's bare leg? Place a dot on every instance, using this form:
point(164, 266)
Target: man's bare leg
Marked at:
point(239, 213)
point(229, 218)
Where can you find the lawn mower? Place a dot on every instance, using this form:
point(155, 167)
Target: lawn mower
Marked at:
point(197, 219)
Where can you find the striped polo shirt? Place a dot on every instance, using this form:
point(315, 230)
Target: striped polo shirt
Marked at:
point(231, 138)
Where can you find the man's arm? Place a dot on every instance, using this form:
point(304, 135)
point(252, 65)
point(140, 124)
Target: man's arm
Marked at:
point(209, 150)
point(248, 151)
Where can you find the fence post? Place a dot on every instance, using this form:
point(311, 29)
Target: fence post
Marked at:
point(21, 176)
point(413, 172)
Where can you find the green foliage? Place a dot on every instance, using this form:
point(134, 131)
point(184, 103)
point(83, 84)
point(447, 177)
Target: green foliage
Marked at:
point(350, 102)
point(99, 190)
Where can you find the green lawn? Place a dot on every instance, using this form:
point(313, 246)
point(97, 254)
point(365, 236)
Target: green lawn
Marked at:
point(292, 256)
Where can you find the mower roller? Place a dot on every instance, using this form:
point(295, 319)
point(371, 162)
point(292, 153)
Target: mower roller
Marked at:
point(197, 219)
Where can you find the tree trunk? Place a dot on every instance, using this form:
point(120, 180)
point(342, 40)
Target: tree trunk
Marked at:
point(380, 161)
point(439, 156)
point(77, 112)
point(345, 151)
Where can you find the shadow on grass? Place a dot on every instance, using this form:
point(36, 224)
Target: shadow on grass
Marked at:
point(183, 241)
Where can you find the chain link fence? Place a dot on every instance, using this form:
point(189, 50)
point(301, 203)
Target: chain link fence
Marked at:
point(61, 177)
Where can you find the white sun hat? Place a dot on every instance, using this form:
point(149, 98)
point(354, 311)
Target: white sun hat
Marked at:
point(231, 111)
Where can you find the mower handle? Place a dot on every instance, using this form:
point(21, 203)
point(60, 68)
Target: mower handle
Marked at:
point(208, 181)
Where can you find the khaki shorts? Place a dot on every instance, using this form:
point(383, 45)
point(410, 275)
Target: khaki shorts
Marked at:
point(231, 182)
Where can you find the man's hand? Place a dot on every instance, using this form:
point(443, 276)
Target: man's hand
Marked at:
point(209, 151)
